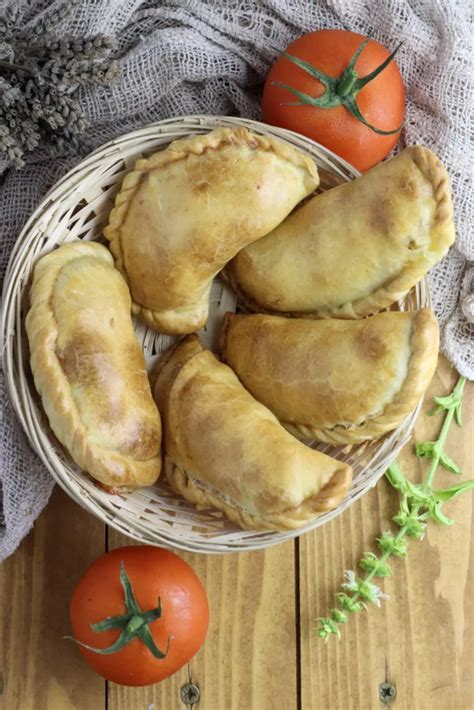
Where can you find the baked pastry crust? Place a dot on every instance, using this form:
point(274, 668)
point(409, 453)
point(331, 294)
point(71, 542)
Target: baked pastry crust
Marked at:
point(355, 249)
point(89, 368)
point(224, 449)
point(183, 213)
point(338, 381)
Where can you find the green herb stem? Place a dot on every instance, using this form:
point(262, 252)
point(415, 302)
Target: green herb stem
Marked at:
point(373, 573)
point(418, 503)
point(457, 392)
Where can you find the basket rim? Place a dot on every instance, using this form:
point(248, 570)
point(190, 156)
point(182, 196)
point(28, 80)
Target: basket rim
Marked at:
point(10, 326)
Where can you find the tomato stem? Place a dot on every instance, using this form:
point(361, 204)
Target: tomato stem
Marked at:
point(346, 85)
point(134, 623)
point(341, 91)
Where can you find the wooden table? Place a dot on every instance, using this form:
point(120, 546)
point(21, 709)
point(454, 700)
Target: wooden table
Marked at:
point(260, 652)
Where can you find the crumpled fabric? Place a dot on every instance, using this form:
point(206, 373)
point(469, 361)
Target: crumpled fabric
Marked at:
point(199, 56)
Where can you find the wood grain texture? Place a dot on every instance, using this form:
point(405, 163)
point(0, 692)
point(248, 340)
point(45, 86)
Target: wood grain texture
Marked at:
point(41, 670)
point(422, 639)
point(249, 657)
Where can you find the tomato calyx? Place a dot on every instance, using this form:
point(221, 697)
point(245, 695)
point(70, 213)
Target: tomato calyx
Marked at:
point(340, 91)
point(134, 623)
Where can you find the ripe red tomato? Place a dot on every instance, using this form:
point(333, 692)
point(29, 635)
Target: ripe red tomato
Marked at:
point(154, 574)
point(381, 101)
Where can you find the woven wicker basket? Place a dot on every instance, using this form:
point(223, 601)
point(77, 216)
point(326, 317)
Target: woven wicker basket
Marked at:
point(77, 208)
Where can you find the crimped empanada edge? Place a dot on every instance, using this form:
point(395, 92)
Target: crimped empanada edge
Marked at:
point(174, 321)
point(442, 235)
point(424, 344)
point(58, 404)
point(328, 498)
point(179, 150)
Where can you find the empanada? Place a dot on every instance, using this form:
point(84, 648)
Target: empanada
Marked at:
point(225, 449)
point(89, 369)
point(185, 212)
point(334, 380)
point(354, 249)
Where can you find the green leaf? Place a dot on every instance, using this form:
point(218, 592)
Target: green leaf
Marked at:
point(427, 449)
point(458, 414)
point(350, 604)
point(396, 478)
point(416, 529)
point(437, 514)
point(370, 592)
point(436, 410)
point(448, 463)
point(451, 401)
point(418, 492)
point(338, 616)
point(388, 543)
point(371, 563)
point(404, 507)
point(447, 402)
point(327, 627)
point(444, 494)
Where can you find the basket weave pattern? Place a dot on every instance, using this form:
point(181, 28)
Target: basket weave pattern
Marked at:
point(77, 208)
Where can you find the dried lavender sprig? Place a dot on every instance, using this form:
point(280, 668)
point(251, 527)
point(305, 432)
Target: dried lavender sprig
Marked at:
point(39, 77)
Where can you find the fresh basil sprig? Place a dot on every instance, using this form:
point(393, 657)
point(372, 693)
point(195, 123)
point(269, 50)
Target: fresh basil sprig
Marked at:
point(418, 503)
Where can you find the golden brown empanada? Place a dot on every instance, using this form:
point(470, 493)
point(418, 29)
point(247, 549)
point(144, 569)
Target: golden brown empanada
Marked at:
point(338, 381)
point(225, 449)
point(354, 249)
point(185, 212)
point(89, 369)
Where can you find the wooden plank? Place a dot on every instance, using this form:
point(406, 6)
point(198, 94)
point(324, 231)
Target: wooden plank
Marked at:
point(41, 671)
point(422, 639)
point(249, 658)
